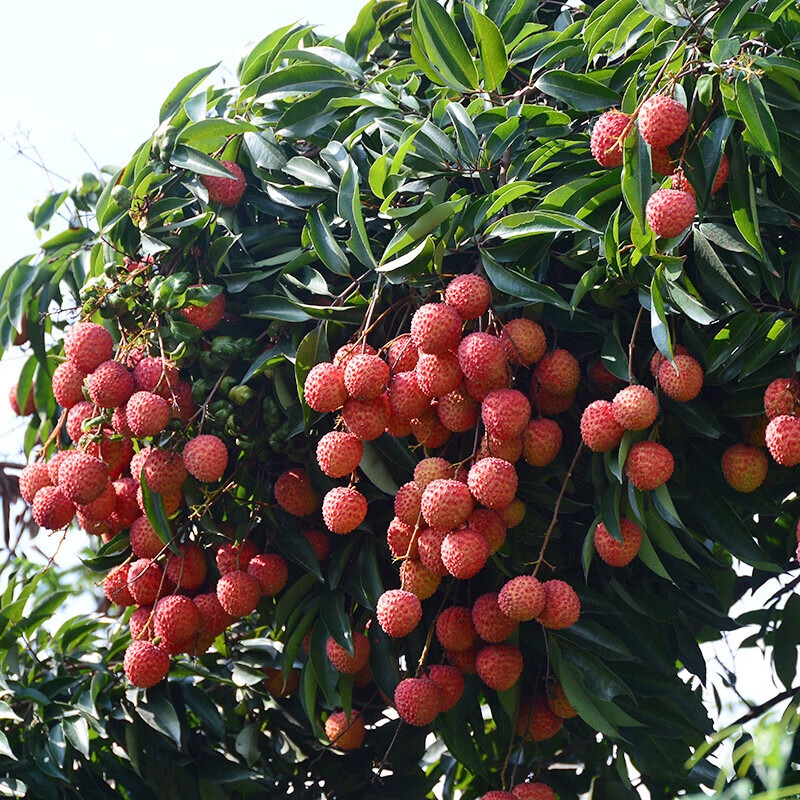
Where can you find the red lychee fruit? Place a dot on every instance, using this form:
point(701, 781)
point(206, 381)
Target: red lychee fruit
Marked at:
point(505, 449)
point(398, 612)
point(68, 384)
point(490, 525)
point(648, 465)
point(205, 316)
point(524, 341)
point(147, 414)
point(341, 358)
point(522, 598)
point(782, 397)
point(438, 374)
point(533, 791)
point(543, 724)
point(470, 295)
point(145, 664)
point(490, 622)
point(463, 660)
point(320, 543)
point(541, 441)
point(126, 509)
point(613, 552)
point(101, 508)
point(271, 571)
point(214, 619)
point(366, 376)
point(399, 537)
point(722, 174)
point(455, 629)
point(76, 417)
point(635, 408)
point(514, 512)
point(235, 555)
point(238, 593)
point(662, 120)
point(187, 570)
point(275, 684)
point(562, 607)
point(115, 453)
point(119, 421)
point(343, 509)
point(82, 478)
point(30, 402)
point(182, 403)
point(458, 411)
point(225, 191)
point(164, 471)
point(417, 700)
point(548, 403)
point(342, 660)
point(669, 212)
point(345, 733)
point(141, 623)
point(33, 477)
point(294, 494)
point(782, 436)
point(87, 345)
point(497, 794)
point(464, 553)
point(661, 161)
point(744, 467)
point(450, 683)
point(339, 453)
point(145, 542)
point(686, 383)
point(492, 482)
point(402, 354)
point(429, 546)
point(608, 135)
point(176, 620)
point(558, 702)
point(406, 399)
point(482, 357)
point(557, 372)
point(147, 582)
point(205, 457)
point(115, 586)
point(417, 579)
point(600, 430)
point(431, 469)
point(110, 385)
point(324, 388)
point(398, 428)
point(428, 429)
point(367, 419)
point(479, 389)
point(505, 413)
point(499, 666)
point(436, 328)
point(678, 180)
point(156, 374)
point(446, 504)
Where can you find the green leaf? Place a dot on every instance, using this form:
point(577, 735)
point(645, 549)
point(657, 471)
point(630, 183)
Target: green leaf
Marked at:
point(726, 21)
point(518, 285)
point(714, 274)
point(337, 621)
point(658, 318)
point(758, 117)
point(578, 91)
point(422, 226)
point(271, 307)
point(349, 207)
point(324, 243)
point(182, 90)
point(437, 36)
point(785, 642)
point(743, 199)
point(185, 157)
point(160, 715)
point(156, 514)
point(374, 467)
point(492, 49)
point(532, 223)
point(637, 177)
point(299, 79)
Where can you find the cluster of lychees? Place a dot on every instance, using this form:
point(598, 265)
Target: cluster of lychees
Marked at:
point(125, 413)
point(661, 122)
point(436, 382)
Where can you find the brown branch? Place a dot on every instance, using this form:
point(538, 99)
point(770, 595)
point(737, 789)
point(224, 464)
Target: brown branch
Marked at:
point(632, 343)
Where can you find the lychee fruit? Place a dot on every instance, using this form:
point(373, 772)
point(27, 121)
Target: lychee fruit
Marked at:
point(455, 629)
point(649, 465)
point(164, 471)
point(100, 508)
point(506, 449)
point(294, 494)
point(491, 525)
point(339, 453)
point(557, 372)
point(431, 469)
point(470, 295)
point(76, 416)
point(324, 388)
point(661, 161)
point(188, 569)
point(541, 441)
point(505, 413)
point(367, 419)
point(458, 411)
point(342, 660)
point(450, 683)
point(438, 374)
point(446, 503)
point(490, 622)
point(126, 509)
point(399, 537)
point(417, 700)
point(782, 436)
point(147, 582)
point(463, 660)
point(176, 620)
point(608, 135)
point(482, 357)
point(464, 553)
point(536, 721)
point(320, 543)
point(145, 542)
point(115, 586)
point(685, 383)
point(205, 316)
point(156, 374)
point(418, 579)
point(82, 478)
point(366, 376)
point(406, 399)
point(547, 402)
point(238, 593)
point(147, 414)
point(145, 664)
point(613, 552)
point(402, 354)
point(499, 666)
point(492, 482)
point(635, 408)
point(275, 684)
point(271, 571)
point(744, 467)
point(87, 345)
point(398, 612)
point(533, 791)
point(205, 457)
point(678, 180)
point(225, 191)
point(110, 385)
point(30, 402)
point(522, 598)
point(524, 341)
point(558, 702)
point(33, 477)
point(782, 397)
point(235, 556)
point(669, 212)
point(345, 733)
point(562, 607)
point(722, 174)
point(68, 384)
point(436, 328)
point(429, 547)
point(141, 624)
point(662, 120)
point(600, 430)
point(341, 358)
point(343, 509)
point(214, 619)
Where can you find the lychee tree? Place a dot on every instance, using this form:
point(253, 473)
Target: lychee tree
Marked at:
point(440, 379)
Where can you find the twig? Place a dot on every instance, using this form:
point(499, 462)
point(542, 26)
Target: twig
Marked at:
point(632, 343)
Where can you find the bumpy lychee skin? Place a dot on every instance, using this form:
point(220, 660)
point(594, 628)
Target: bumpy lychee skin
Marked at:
point(238, 593)
point(497, 794)
point(407, 503)
point(68, 384)
point(324, 388)
point(271, 571)
point(479, 389)
point(662, 120)
point(505, 413)
point(226, 191)
point(398, 428)
point(436, 328)
point(214, 619)
point(101, 508)
point(82, 478)
point(614, 553)
point(141, 624)
point(126, 509)
point(402, 354)
point(661, 161)
point(547, 402)
point(446, 504)
point(156, 374)
point(506, 449)
point(115, 586)
point(320, 543)
point(188, 569)
point(522, 598)
point(562, 607)
point(524, 341)
point(458, 411)
point(463, 660)
point(493, 482)
point(635, 408)
point(536, 721)
point(164, 471)
point(722, 174)
point(206, 457)
point(147, 582)
point(783, 440)
point(33, 477)
point(782, 397)
point(294, 494)
point(406, 398)
point(145, 664)
point(398, 612)
point(541, 441)
point(416, 578)
point(343, 509)
point(464, 553)
point(432, 469)
point(147, 414)
point(678, 180)
point(341, 358)
point(345, 733)
point(533, 791)
point(559, 703)
point(686, 383)
point(600, 430)
point(499, 666)
point(110, 385)
point(87, 345)
point(208, 316)
point(429, 546)
point(339, 453)
point(744, 467)
point(649, 465)
point(438, 374)
point(608, 134)
point(670, 212)
point(145, 542)
point(232, 556)
point(176, 620)
point(342, 660)
point(490, 622)
point(455, 629)
point(367, 419)
point(417, 701)
point(558, 372)
point(450, 683)
point(470, 295)
point(30, 402)
point(366, 376)
point(482, 357)
point(428, 429)
point(490, 525)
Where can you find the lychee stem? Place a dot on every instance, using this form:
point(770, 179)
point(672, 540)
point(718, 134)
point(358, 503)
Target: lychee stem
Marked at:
point(632, 344)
